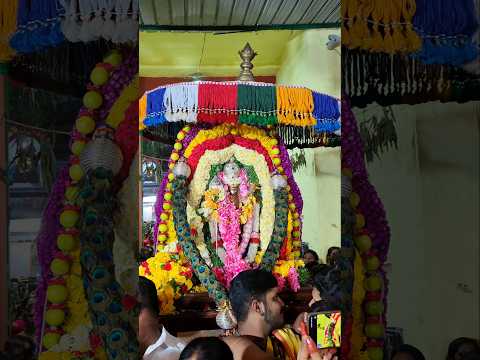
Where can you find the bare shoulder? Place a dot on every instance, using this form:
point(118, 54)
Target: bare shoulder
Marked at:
point(245, 349)
point(236, 342)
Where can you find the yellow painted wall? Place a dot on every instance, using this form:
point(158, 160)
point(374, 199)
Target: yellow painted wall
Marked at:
point(179, 54)
point(429, 187)
point(308, 62)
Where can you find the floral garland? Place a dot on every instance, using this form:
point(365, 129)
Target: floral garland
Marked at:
point(222, 142)
point(245, 156)
point(254, 143)
point(172, 277)
point(372, 236)
point(277, 154)
point(207, 277)
point(69, 290)
point(357, 337)
point(229, 227)
point(279, 232)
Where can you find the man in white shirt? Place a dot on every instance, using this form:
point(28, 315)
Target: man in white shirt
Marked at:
point(155, 341)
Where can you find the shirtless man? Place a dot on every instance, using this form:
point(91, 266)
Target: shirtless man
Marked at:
point(258, 310)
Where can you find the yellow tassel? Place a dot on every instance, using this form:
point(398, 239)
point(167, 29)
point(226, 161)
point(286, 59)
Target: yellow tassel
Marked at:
point(295, 106)
point(8, 25)
point(359, 30)
point(413, 40)
point(376, 39)
point(142, 111)
point(398, 38)
point(388, 45)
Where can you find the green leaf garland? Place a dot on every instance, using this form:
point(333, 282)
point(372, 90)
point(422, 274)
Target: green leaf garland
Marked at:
point(207, 278)
point(105, 296)
point(279, 231)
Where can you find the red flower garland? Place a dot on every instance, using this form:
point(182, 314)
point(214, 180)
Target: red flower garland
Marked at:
point(224, 142)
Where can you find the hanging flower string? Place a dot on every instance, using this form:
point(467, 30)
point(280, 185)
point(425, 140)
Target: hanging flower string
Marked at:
point(229, 226)
point(66, 286)
point(372, 236)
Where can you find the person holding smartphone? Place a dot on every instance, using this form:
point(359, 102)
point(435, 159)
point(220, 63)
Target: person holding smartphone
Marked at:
point(258, 310)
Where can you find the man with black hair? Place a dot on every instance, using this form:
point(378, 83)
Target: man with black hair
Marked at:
point(408, 352)
point(258, 310)
point(155, 341)
point(206, 348)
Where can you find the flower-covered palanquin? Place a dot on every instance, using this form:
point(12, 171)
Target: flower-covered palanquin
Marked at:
point(229, 201)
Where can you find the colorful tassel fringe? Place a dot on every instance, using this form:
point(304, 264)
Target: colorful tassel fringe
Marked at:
point(257, 104)
point(380, 26)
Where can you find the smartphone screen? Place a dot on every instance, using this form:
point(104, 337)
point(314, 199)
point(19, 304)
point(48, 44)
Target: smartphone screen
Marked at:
point(325, 328)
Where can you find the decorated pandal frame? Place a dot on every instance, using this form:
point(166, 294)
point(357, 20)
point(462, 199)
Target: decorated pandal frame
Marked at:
point(229, 201)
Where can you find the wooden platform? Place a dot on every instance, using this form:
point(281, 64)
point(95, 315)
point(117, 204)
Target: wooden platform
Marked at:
point(196, 312)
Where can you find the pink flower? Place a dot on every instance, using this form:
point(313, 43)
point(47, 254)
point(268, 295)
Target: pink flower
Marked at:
point(229, 227)
point(293, 279)
point(280, 281)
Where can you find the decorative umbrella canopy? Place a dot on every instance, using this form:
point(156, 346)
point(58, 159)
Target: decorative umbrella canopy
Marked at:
point(237, 102)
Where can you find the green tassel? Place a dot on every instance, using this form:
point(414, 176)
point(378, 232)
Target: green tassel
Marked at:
point(257, 105)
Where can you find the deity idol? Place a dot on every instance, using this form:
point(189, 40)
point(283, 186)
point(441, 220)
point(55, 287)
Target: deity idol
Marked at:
point(231, 209)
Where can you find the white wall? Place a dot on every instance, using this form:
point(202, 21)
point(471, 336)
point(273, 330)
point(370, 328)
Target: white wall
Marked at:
point(429, 187)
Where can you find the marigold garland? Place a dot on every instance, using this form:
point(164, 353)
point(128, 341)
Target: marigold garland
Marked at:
point(372, 233)
point(172, 278)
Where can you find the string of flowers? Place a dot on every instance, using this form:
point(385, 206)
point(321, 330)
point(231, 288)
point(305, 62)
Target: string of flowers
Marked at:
point(66, 297)
point(46, 247)
point(247, 157)
point(207, 278)
point(184, 138)
point(279, 232)
point(229, 226)
point(372, 234)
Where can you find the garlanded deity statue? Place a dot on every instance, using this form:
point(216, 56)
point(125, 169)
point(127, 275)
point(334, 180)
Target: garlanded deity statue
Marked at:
point(232, 211)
